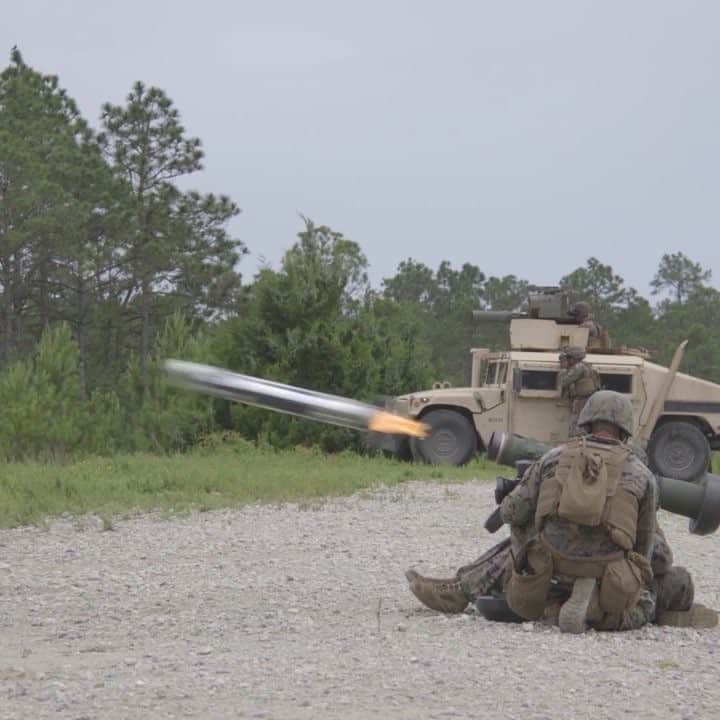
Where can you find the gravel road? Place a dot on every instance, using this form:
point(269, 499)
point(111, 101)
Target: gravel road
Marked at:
point(303, 612)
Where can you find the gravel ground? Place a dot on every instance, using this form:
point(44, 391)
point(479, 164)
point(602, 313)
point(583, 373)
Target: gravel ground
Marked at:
point(303, 612)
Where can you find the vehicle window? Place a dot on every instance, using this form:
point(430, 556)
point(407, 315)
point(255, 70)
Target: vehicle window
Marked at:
point(617, 382)
point(502, 373)
point(539, 379)
point(491, 377)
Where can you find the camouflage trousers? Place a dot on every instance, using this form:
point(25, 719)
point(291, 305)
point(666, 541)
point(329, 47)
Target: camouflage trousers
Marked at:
point(672, 587)
point(672, 591)
point(672, 584)
point(486, 573)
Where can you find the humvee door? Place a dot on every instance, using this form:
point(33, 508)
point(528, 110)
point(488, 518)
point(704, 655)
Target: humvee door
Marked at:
point(537, 410)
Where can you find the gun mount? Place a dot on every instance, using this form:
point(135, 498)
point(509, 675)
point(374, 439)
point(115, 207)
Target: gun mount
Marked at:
point(544, 303)
point(548, 324)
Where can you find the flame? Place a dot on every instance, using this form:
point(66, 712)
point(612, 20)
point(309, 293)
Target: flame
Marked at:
point(386, 422)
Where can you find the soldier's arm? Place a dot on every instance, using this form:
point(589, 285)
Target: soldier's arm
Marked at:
point(518, 508)
point(568, 377)
point(592, 326)
point(646, 519)
point(662, 556)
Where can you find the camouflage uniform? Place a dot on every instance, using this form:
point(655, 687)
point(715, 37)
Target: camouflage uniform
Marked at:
point(577, 384)
point(598, 336)
point(484, 575)
point(672, 586)
point(584, 318)
point(593, 328)
point(666, 592)
point(518, 510)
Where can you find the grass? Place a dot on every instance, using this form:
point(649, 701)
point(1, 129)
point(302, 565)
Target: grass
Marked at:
point(220, 474)
point(715, 463)
point(667, 665)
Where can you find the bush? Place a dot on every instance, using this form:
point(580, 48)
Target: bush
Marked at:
point(164, 418)
point(43, 413)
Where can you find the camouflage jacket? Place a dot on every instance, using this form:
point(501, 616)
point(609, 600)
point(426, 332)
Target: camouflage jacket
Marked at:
point(569, 379)
point(518, 510)
point(594, 329)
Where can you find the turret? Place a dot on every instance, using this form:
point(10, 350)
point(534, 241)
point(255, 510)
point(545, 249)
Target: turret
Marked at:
point(544, 303)
point(548, 323)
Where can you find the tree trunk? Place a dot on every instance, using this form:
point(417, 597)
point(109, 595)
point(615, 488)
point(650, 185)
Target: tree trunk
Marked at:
point(8, 341)
point(8, 329)
point(145, 336)
point(44, 306)
point(81, 335)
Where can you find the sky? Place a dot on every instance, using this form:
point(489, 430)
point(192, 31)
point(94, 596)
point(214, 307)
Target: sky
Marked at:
point(521, 136)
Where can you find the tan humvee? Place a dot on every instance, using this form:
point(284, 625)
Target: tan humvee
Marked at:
point(517, 391)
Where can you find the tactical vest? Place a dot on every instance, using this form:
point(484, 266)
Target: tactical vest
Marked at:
point(584, 489)
point(586, 385)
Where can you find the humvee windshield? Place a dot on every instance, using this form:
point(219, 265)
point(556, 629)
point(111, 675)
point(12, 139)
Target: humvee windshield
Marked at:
point(496, 372)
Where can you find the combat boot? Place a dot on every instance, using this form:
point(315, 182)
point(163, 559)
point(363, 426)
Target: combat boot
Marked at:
point(444, 595)
point(573, 615)
point(698, 616)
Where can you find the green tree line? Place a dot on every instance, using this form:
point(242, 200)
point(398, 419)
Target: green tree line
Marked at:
point(107, 267)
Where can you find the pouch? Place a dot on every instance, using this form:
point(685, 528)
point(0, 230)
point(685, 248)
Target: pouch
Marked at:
point(621, 582)
point(584, 491)
point(528, 583)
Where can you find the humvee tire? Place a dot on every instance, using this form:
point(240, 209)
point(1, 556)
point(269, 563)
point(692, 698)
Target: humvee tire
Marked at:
point(679, 450)
point(452, 439)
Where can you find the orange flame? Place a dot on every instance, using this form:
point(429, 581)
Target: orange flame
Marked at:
point(387, 422)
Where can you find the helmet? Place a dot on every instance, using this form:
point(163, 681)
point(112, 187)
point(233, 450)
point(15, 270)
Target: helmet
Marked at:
point(574, 352)
point(581, 308)
point(607, 406)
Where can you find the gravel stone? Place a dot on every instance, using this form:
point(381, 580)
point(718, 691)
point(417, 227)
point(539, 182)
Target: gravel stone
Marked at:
point(302, 611)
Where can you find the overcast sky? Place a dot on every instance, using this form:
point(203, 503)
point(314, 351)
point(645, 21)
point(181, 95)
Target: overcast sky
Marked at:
point(523, 137)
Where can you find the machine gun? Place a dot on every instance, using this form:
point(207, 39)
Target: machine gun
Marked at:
point(544, 303)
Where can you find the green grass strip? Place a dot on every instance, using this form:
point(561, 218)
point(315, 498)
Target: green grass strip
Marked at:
point(219, 475)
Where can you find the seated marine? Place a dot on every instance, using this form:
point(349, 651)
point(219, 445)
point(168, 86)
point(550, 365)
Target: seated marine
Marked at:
point(584, 548)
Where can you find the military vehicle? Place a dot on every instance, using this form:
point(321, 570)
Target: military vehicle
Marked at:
point(517, 391)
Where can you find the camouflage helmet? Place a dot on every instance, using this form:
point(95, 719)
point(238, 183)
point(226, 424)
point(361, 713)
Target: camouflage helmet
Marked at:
point(607, 406)
point(574, 352)
point(581, 308)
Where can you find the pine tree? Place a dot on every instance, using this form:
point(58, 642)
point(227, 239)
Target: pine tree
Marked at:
point(177, 246)
point(679, 274)
point(41, 140)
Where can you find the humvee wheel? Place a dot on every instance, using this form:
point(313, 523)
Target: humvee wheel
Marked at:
point(679, 450)
point(452, 439)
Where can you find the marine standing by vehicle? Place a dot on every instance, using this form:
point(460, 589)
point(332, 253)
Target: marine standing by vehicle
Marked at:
point(578, 381)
